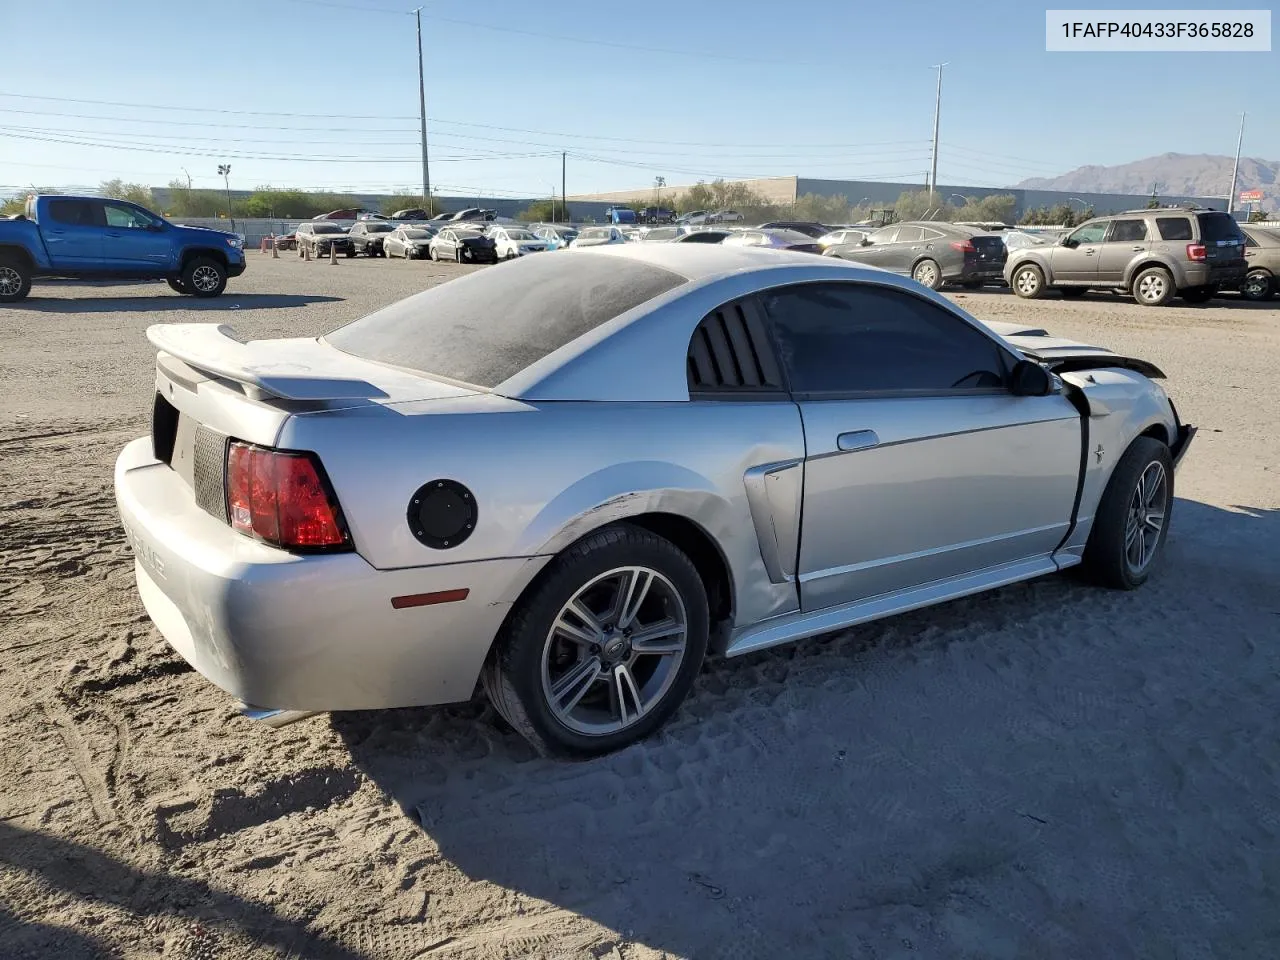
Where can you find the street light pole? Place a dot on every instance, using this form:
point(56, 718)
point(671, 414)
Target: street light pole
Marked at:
point(422, 114)
point(225, 170)
point(937, 114)
point(1235, 170)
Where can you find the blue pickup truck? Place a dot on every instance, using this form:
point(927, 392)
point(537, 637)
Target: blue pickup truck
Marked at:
point(98, 238)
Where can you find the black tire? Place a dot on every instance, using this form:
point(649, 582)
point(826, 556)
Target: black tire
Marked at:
point(512, 675)
point(1198, 294)
point(177, 286)
point(1105, 558)
point(1027, 281)
point(15, 280)
point(204, 277)
point(927, 273)
point(1072, 293)
point(350, 253)
point(1153, 287)
point(1258, 285)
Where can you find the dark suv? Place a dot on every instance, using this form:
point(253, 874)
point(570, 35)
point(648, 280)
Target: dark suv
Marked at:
point(1152, 254)
point(367, 236)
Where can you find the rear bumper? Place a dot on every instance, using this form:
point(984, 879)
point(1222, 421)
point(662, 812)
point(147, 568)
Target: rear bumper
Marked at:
point(307, 633)
point(987, 271)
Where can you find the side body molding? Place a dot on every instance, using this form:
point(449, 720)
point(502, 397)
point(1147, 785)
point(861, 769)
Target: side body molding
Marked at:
point(774, 492)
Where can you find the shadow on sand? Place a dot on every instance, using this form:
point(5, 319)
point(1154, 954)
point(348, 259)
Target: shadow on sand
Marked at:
point(929, 783)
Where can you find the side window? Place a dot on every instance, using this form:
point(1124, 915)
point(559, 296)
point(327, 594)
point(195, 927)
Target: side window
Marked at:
point(1174, 228)
point(1248, 240)
point(73, 213)
point(730, 355)
point(1128, 231)
point(910, 235)
point(884, 235)
point(931, 235)
point(126, 218)
point(1091, 232)
point(856, 338)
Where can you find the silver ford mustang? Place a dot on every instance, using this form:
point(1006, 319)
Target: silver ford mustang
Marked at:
point(572, 478)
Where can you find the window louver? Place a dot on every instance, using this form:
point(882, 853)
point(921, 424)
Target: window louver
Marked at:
point(730, 353)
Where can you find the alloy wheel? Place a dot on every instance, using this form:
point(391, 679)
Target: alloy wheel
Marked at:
point(614, 650)
point(1027, 281)
point(10, 281)
point(1152, 287)
point(1144, 521)
point(926, 274)
point(205, 278)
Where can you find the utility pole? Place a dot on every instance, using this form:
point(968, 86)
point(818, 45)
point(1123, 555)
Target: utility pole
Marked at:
point(564, 197)
point(422, 113)
point(937, 114)
point(1235, 171)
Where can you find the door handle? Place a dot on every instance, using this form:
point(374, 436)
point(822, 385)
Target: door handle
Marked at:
point(1139, 248)
point(1089, 253)
point(857, 440)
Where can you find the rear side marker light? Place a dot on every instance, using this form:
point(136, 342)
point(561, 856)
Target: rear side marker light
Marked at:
point(427, 599)
point(284, 498)
point(1196, 251)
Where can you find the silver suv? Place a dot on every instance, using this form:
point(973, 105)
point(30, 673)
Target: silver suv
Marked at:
point(1152, 254)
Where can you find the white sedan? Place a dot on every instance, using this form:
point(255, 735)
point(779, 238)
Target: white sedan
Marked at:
point(597, 237)
point(513, 242)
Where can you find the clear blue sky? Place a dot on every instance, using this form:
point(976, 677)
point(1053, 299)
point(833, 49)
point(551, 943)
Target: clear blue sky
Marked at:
point(828, 88)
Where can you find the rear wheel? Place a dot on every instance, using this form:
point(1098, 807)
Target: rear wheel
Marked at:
point(1132, 521)
point(1153, 287)
point(204, 277)
point(1028, 282)
point(1258, 285)
point(15, 280)
point(604, 647)
point(928, 273)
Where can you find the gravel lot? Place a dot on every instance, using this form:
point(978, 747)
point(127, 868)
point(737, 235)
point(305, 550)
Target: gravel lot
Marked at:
point(1046, 771)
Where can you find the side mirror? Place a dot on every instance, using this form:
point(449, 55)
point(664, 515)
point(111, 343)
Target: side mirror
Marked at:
point(154, 228)
point(866, 242)
point(1068, 242)
point(1029, 379)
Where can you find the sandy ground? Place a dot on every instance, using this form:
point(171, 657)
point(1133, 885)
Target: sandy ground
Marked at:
point(1048, 771)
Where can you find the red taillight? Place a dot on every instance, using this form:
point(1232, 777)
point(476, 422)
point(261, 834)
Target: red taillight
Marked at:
point(1196, 251)
point(964, 246)
point(281, 497)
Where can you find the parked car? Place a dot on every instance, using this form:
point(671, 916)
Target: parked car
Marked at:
point(1262, 251)
point(597, 236)
point(620, 214)
point(662, 234)
point(931, 253)
point(703, 235)
point(408, 241)
point(772, 240)
point(693, 217)
point(462, 245)
point(412, 213)
point(1153, 254)
point(808, 445)
point(348, 213)
point(97, 238)
point(656, 215)
point(473, 215)
point(367, 236)
point(724, 216)
point(556, 236)
point(287, 241)
point(321, 238)
point(807, 227)
point(840, 235)
point(512, 242)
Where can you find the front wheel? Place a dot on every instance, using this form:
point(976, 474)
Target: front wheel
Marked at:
point(15, 281)
point(1028, 282)
point(1132, 521)
point(604, 648)
point(927, 273)
point(1258, 285)
point(204, 277)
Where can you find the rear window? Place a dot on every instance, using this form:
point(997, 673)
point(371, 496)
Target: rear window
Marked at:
point(1218, 226)
point(488, 326)
point(1174, 228)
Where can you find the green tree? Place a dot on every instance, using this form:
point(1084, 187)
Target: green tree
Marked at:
point(1259, 216)
point(133, 192)
point(186, 202)
point(539, 212)
point(697, 197)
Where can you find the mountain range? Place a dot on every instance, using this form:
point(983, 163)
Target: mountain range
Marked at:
point(1172, 174)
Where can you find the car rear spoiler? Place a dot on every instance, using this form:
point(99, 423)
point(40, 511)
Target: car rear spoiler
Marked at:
point(216, 349)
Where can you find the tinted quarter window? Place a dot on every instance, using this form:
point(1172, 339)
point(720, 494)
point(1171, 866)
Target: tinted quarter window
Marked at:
point(1128, 230)
point(1218, 226)
point(1174, 228)
point(76, 213)
point(852, 338)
